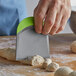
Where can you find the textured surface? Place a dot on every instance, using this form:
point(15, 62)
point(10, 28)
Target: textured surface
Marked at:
point(60, 53)
point(63, 71)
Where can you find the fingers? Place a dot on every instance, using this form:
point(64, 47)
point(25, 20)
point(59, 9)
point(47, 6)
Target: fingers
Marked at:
point(62, 24)
point(55, 13)
point(39, 15)
point(49, 21)
point(64, 20)
point(61, 20)
point(57, 21)
point(57, 24)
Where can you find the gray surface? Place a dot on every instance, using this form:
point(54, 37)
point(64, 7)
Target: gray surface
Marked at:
point(30, 43)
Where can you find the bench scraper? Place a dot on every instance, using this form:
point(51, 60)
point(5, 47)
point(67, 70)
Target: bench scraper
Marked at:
point(29, 43)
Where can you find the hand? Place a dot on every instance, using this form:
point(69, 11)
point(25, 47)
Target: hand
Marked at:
point(55, 14)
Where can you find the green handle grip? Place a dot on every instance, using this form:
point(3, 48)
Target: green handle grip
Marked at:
point(29, 21)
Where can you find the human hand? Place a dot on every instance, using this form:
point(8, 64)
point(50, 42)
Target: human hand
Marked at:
point(55, 14)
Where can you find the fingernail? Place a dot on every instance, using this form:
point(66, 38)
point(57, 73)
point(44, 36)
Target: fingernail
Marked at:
point(45, 33)
point(38, 31)
point(52, 33)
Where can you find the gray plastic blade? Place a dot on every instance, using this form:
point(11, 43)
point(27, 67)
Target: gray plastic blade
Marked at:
point(29, 43)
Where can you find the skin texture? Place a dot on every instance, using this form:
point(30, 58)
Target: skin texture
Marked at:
point(54, 13)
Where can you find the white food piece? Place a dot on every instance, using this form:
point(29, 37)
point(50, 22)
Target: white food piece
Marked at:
point(34, 60)
point(46, 63)
point(52, 67)
point(72, 73)
point(73, 47)
point(63, 71)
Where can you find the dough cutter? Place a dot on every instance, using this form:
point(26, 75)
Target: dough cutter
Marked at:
point(29, 43)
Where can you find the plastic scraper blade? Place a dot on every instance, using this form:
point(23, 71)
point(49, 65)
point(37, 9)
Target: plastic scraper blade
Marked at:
point(29, 43)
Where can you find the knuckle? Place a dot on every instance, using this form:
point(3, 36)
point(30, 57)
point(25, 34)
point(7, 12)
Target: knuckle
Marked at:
point(67, 12)
point(66, 17)
point(55, 26)
point(63, 7)
point(56, 4)
point(50, 23)
point(39, 15)
point(61, 28)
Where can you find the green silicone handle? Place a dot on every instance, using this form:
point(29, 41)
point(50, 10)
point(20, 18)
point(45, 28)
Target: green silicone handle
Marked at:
point(29, 21)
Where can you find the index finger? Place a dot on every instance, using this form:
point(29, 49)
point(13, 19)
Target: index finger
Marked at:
point(40, 14)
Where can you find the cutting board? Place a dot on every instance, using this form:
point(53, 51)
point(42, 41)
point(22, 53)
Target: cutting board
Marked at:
point(59, 52)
